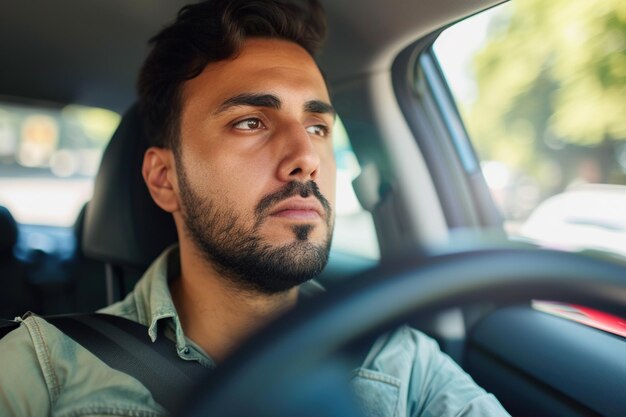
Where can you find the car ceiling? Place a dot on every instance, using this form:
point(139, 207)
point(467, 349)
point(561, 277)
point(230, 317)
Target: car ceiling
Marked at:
point(89, 52)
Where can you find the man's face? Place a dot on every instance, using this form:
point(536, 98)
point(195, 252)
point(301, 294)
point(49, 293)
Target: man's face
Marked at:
point(256, 169)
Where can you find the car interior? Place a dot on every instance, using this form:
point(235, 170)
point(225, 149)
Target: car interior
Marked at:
point(429, 244)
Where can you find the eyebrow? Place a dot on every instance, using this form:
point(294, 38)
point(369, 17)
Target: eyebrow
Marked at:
point(249, 99)
point(272, 102)
point(317, 106)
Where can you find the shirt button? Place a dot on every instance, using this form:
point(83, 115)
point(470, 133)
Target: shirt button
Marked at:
point(185, 350)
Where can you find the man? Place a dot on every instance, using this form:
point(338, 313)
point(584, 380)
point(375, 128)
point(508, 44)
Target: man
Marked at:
point(241, 125)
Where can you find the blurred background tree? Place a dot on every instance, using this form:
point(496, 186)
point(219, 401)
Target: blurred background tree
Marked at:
point(551, 84)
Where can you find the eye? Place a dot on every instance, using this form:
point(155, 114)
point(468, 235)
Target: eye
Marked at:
point(319, 130)
point(249, 124)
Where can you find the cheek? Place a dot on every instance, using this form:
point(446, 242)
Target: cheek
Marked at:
point(224, 169)
point(237, 182)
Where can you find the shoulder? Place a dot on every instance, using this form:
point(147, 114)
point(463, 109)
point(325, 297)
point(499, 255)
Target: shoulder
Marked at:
point(17, 341)
point(428, 381)
point(37, 348)
point(34, 334)
point(404, 346)
point(46, 372)
point(27, 369)
point(381, 383)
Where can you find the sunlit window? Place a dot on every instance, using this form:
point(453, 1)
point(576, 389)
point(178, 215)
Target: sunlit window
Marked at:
point(541, 86)
point(48, 159)
point(354, 227)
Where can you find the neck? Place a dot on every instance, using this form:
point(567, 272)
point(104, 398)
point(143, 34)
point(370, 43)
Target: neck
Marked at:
point(216, 314)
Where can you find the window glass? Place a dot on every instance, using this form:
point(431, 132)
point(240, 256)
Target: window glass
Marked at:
point(50, 156)
point(354, 228)
point(541, 88)
point(48, 159)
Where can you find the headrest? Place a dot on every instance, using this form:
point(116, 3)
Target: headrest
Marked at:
point(78, 227)
point(8, 230)
point(123, 225)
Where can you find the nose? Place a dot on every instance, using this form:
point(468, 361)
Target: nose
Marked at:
point(300, 161)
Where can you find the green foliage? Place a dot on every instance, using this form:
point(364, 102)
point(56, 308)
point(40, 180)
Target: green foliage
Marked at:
point(552, 72)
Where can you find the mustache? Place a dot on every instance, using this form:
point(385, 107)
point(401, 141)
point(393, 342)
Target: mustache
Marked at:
point(291, 189)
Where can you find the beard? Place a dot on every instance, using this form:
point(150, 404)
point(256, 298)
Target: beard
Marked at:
point(240, 254)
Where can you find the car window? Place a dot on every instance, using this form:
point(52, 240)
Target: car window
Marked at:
point(354, 227)
point(49, 157)
point(541, 89)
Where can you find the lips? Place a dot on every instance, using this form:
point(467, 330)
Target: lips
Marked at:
point(298, 208)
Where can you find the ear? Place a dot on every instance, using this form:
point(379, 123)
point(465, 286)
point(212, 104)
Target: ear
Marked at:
point(159, 173)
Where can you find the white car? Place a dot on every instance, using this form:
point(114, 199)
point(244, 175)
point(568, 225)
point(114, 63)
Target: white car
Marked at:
point(591, 216)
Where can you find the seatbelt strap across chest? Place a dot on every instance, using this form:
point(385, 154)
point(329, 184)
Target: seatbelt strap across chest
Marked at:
point(124, 345)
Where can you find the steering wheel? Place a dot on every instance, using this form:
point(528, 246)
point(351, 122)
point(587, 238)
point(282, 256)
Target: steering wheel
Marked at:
point(298, 360)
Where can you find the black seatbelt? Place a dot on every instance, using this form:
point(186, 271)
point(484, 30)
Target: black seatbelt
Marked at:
point(124, 345)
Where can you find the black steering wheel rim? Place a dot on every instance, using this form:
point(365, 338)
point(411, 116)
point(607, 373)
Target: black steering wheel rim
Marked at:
point(388, 295)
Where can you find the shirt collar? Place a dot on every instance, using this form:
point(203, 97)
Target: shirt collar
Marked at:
point(153, 298)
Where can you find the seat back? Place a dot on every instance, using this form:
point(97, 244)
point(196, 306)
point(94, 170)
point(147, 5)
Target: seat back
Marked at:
point(123, 226)
point(87, 275)
point(17, 295)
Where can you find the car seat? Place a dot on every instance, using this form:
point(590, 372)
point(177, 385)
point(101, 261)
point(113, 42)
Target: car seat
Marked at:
point(87, 275)
point(17, 295)
point(123, 226)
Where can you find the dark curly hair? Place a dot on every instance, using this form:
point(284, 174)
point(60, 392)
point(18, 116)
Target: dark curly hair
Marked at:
point(207, 32)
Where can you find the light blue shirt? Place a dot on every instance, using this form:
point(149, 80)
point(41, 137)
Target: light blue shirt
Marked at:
point(45, 373)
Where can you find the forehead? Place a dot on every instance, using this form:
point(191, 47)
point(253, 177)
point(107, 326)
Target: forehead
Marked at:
point(276, 66)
